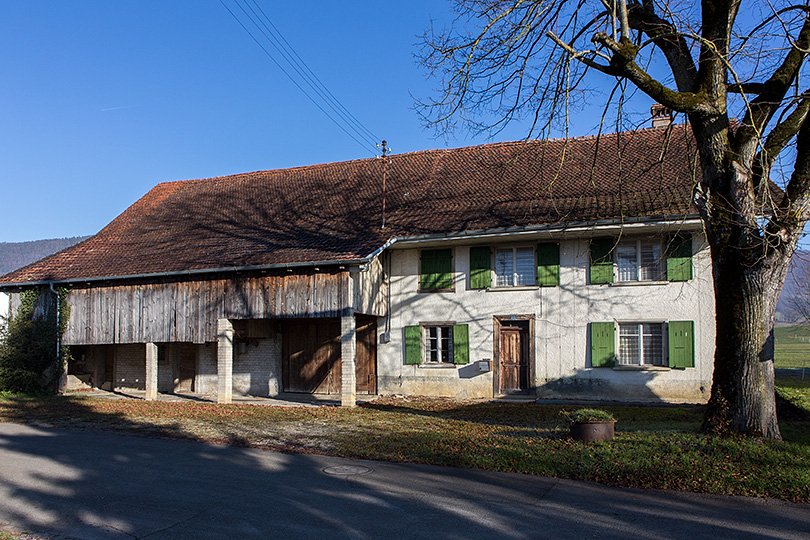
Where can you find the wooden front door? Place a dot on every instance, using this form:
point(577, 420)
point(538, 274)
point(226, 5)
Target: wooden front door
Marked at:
point(311, 356)
point(513, 352)
point(366, 361)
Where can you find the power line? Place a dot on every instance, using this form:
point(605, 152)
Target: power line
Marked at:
point(289, 55)
point(347, 120)
point(312, 78)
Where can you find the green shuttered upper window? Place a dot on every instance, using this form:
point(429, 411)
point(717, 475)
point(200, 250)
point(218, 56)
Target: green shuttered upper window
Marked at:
point(436, 270)
point(640, 260)
point(515, 266)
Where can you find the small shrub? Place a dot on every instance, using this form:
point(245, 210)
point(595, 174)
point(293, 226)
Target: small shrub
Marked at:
point(588, 415)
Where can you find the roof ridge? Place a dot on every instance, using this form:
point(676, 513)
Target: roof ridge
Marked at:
point(443, 151)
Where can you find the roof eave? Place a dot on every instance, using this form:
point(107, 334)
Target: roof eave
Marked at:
point(584, 228)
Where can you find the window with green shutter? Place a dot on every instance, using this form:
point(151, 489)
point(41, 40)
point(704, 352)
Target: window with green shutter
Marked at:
point(436, 270)
point(480, 272)
point(443, 344)
point(461, 344)
point(681, 344)
point(548, 264)
point(603, 344)
point(679, 258)
point(601, 270)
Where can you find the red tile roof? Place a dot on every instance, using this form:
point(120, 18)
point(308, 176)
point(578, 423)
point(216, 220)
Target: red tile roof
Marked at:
point(332, 212)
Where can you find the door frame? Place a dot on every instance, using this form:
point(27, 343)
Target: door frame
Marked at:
point(498, 321)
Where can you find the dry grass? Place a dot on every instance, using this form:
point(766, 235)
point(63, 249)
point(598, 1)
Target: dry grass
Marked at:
point(655, 447)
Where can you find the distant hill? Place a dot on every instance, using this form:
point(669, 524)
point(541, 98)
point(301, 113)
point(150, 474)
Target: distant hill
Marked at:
point(14, 255)
point(799, 272)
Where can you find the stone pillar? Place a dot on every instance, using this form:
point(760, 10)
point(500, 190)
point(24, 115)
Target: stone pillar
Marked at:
point(151, 371)
point(348, 359)
point(224, 361)
point(61, 385)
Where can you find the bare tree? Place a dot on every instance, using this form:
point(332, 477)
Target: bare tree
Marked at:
point(503, 60)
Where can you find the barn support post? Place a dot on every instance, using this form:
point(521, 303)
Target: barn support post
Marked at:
point(224, 361)
point(348, 356)
point(151, 371)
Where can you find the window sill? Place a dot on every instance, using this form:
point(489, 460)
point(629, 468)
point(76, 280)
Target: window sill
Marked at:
point(437, 365)
point(428, 291)
point(637, 283)
point(519, 288)
point(631, 367)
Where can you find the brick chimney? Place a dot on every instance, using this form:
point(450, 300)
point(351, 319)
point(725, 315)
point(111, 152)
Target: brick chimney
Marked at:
point(661, 115)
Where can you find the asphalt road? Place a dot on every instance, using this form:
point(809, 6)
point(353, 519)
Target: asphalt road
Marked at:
point(87, 485)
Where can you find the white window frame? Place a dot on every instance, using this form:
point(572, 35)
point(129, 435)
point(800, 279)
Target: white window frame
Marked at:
point(643, 356)
point(441, 350)
point(638, 267)
point(504, 281)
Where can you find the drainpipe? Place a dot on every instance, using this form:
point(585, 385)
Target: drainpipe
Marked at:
point(59, 384)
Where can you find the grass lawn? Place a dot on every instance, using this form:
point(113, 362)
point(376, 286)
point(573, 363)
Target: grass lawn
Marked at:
point(655, 447)
point(792, 346)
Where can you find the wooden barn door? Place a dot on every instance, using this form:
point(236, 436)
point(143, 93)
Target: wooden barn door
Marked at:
point(513, 353)
point(366, 362)
point(311, 356)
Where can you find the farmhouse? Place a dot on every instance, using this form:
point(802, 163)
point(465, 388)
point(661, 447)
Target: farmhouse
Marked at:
point(566, 269)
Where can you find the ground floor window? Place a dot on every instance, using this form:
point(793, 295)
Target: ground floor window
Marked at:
point(641, 344)
point(439, 344)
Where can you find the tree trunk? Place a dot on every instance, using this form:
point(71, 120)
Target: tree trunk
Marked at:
point(745, 291)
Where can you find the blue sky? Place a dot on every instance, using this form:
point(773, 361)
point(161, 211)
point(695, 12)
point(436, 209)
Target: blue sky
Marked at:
point(101, 100)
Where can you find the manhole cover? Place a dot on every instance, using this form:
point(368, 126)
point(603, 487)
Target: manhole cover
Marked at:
point(346, 470)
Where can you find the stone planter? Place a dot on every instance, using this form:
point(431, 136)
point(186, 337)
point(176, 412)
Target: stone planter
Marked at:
point(601, 430)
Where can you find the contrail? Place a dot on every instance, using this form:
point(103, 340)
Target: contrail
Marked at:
point(117, 108)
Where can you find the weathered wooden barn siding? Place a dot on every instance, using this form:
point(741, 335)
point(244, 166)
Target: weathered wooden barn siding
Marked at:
point(188, 311)
point(371, 289)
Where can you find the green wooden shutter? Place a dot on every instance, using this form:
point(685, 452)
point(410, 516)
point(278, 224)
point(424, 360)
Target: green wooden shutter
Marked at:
point(480, 273)
point(603, 344)
point(413, 344)
point(679, 258)
point(548, 264)
point(436, 270)
point(681, 344)
point(602, 260)
point(461, 344)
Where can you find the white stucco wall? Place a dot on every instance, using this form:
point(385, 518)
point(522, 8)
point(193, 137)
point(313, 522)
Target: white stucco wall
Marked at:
point(562, 314)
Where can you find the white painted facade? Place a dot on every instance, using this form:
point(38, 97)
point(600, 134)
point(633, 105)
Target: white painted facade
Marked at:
point(4, 305)
point(561, 348)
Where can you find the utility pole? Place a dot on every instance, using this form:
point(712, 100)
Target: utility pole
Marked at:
point(385, 173)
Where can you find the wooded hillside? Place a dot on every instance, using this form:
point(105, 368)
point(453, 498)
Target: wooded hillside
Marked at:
point(14, 255)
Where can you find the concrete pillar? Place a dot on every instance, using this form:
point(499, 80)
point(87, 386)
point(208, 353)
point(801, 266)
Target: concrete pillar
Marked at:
point(224, 361)
point(348, 358)
point(61, 385)
point(151, 371)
